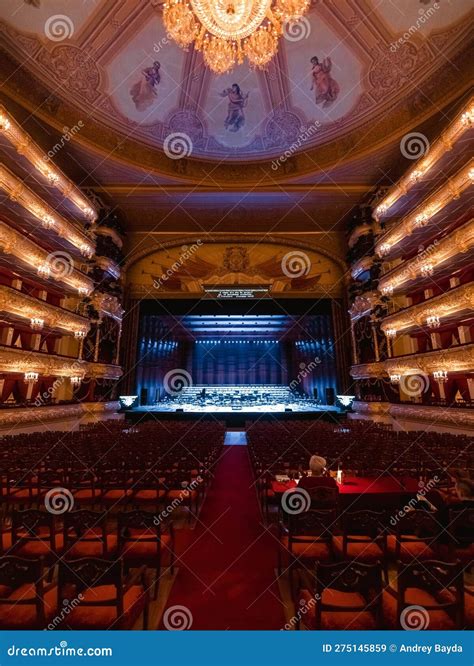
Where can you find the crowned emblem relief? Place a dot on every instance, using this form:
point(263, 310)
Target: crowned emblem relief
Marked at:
point(236, 259)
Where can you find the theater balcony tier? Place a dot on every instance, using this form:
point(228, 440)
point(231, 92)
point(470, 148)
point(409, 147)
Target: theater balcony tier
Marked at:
point(450, 306)
point(363, 305)
point(107, 305)
point(19, 361)
point(26, 147)
point(463, 124)
point(456, 359)
point(449, 416)
point(40, 415)
point(361, 267)
point(425, 215)
point(109, 266)
point(23, 306)
point(49, 219)
point(103, 230)
point(448, 254)
point(39, 263)
point(358, 232)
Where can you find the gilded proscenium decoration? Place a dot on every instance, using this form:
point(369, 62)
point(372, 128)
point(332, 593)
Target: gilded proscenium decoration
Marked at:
point(25, 306)
point(460, 241)
point(455, 359)
point(19, 192)
point(446, 305)
point(25, 145)
point(226, 31)
point(19, 361)
point(421, 216)
point(28, 252)
point(361, 266)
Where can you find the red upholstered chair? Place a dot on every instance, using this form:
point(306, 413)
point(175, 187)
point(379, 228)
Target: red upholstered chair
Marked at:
point(26, 601)
point(183, 490)
point(415, 537)
point(83, 486)
point(363, 537)
point(435, 588)
point(148, 490)
point(343, 596)
point(86, 535)
point(306, 539)
point(469, 608)
point(34, 535)
point(21, 488)
point(144, 539)
point(324, 498)
point(461, 532)
point(115, 488)
point(103, 599)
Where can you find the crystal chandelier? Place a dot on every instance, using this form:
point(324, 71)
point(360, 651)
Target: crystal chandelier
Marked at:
point(226, 31)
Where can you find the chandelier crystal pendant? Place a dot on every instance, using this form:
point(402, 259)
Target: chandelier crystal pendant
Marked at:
point(226, 31)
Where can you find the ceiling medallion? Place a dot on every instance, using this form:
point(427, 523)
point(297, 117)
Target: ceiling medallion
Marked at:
point(226, 31)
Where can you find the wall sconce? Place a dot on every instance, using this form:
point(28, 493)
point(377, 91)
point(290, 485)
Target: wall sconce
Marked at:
point(47, 221)
point(44, 270)
point(83, 291)
point(384, 249)
point(441, 376)
point(89, 213)
point(427, 270)
point(432, 321)
point(422, 219)
point(36, 323)
point(388, 290)
point(395, 379)
point(86, 251)
point(416, 175)
point(31, 377)
point(76, 380)
point(391, 332)
point(5, 124)
point(467, 118)
point(80, 335)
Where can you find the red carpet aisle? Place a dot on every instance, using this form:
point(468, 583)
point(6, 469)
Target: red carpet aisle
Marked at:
point(232, 555)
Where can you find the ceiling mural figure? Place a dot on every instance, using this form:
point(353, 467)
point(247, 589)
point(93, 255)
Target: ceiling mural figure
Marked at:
point(326, 89)
point(144, 92)
point(235, 112)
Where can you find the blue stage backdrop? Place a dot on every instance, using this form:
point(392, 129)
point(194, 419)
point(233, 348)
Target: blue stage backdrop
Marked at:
point(215, 349)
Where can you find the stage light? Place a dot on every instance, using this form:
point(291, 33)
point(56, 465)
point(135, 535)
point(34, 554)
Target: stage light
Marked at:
point(346, 400)
point(127, 400)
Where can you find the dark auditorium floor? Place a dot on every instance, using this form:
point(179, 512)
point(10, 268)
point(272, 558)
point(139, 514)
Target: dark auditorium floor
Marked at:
point(225, 577)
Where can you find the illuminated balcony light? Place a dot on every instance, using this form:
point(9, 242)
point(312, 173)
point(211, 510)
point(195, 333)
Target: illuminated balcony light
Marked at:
point(80, 335)
point(31, 377)
point(416, 175)
point(89, 213)
point(47, 221)
point(388, 290)
point(471, 174)
point(441, 376)
point(432, 321)
point(395, 379)
point(427, 270)
point(467, 118)
point(83, 291)
point(44, 270)
point(391, 332)
point(422, 219)
point(76, 380)
point(5, 124)
point(86, 250)
point(53, 178)
point(384, 249)
point(381, 210)
point(36, 323)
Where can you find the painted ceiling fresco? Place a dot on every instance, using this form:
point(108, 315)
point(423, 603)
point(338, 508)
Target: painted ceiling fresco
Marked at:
point(343, 64)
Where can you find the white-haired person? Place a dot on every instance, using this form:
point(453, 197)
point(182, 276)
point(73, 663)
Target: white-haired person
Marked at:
point(317, 478)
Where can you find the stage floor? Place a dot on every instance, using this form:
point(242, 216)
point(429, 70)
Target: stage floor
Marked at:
point(258, 409)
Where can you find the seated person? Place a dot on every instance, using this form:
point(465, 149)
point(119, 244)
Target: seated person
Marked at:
point(317, 465)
